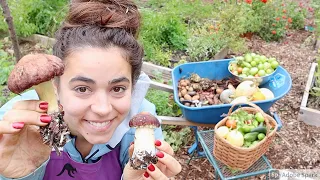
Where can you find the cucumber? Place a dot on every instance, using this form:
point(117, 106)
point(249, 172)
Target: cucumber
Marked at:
point(261, 136)
point(261, 124)
point(247, 128)
point(254, 143)
point(247, 144)
point(259, 129)
point(250, 137)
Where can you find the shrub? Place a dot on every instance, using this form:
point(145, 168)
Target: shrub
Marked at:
point(176, 136)
point(205, 43)
point(277, 17)
point(160, 34)
point(163, 29)
point(166, 27)
point(165, 105)
point(36, 16)
point(233, 24)
point(6, 64)
point(297, 13)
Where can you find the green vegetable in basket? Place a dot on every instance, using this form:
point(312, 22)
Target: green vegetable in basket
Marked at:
point(250, 116)
point(260, 129)
point(247, 144)
point(251, 136)
point(261, 136)
point(259, 117)
point(254, 143)
point(241, 129)
point(255, 123)
point(247, 128)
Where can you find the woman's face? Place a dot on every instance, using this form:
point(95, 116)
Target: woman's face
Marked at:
point(95, 92)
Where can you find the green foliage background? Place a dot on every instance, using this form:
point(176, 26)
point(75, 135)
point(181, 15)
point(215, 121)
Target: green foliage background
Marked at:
point(36, 16)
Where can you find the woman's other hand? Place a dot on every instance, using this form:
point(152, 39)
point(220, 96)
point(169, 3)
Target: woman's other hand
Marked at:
point(21, 147)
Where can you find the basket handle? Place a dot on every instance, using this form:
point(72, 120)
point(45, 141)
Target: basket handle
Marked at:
point(268, 125)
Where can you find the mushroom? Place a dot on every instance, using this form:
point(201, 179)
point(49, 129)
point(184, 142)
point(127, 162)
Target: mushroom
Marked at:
point(37, 70)
point(144, 152)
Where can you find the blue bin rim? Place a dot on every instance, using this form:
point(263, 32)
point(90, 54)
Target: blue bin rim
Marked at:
point(221, 105)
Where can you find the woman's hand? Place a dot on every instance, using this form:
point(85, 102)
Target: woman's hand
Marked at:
point(166, 167)
point(21, 147)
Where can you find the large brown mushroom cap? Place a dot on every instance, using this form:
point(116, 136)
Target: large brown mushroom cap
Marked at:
point(144, 119)
point(34, 69)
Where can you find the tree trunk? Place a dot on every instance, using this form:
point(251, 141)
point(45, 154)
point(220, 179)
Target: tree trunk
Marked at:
point(14, 39)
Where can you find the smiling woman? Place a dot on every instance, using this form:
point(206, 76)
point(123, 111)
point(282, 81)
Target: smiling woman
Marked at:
point(100, 90)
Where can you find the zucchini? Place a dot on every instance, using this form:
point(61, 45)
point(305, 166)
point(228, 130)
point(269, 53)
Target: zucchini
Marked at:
point(250, 137)
point(260, 129)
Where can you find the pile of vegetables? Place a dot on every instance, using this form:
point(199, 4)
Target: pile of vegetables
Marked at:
point(248, 91)
point(243, 129)
point(253, 65)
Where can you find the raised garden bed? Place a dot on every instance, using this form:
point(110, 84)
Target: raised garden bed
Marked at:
point(309, 112)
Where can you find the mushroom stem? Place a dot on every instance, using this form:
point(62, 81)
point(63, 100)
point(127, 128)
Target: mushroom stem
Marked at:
point(46, 93)
point(144, 149)
point(144, 141)
point(55, 133)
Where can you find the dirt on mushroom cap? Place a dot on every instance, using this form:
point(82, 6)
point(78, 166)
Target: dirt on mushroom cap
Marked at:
point(34, 69)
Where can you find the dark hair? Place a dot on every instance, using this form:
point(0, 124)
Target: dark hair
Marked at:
point(102, 24)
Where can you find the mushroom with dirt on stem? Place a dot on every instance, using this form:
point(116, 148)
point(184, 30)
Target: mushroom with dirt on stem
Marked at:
point(144, 152)
point(37, 71)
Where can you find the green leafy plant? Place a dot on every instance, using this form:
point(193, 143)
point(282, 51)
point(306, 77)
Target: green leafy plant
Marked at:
point(157, 55)
point(277, 17)
point(316, 6)
point(205, 43)
point(233, 24)
point(176, 136)
point(297, 13)
point(164, 29)
point(161, 33)
point(6, 64)
point(187, 10)
point(36, 16)
point(165, 105)
point(166, 26)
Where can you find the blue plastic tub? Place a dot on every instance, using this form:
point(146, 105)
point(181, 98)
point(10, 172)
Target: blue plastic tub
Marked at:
point(279, 84)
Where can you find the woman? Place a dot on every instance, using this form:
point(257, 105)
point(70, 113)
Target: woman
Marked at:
point(100, 90)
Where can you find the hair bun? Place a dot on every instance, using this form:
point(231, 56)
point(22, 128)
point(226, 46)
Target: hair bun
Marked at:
point(105, 13)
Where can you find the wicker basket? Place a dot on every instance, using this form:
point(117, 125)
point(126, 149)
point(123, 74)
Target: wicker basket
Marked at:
point(241, 158)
